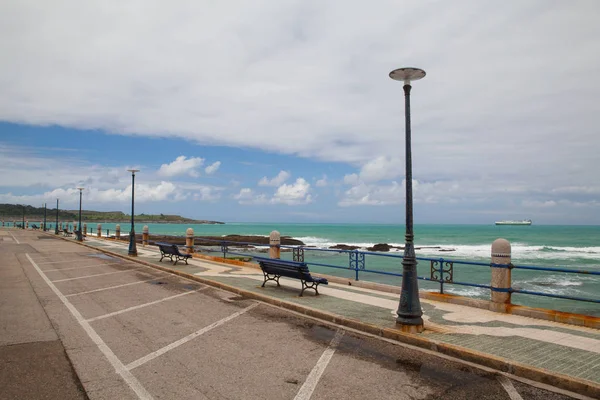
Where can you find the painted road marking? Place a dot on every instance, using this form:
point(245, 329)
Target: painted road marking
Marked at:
point(87, 266)
point(91, 276)
point(312, 380)
point(510, 389)
point(64, 261)
point(110, 287)
point(144, 305)
point(14, 238)
point(120, 369)
point(186, 339)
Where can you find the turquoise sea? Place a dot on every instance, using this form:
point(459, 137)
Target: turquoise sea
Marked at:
point(571, 247)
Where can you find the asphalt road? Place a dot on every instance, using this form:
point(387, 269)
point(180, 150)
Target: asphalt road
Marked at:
point(134, 332)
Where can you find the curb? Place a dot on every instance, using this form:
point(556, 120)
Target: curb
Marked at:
point(581, 386)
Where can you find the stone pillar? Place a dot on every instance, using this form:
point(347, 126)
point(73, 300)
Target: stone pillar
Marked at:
point(274, 242)
point(74, 226)
point(118, 232)
point(99, 230)
point(500, 276)
point(189, 240)
point(26, 224)
point(84, 232)
point(60, 226)
point(145, 236)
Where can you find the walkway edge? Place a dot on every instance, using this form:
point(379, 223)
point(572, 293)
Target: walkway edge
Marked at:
point(562, 381)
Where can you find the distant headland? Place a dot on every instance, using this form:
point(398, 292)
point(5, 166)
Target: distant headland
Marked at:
point(15, 212)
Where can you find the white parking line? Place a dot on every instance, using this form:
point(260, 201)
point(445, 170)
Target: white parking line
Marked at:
point(144, 305)
point(508, 386)
point(127, 376)
point(14, 238)
point(186, 339)
point(110, 287)
point(312, 380)
point(91, 276)
point(64, 261)
point(87, 266)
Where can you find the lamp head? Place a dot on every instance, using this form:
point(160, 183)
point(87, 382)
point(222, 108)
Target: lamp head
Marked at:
point(407, 74)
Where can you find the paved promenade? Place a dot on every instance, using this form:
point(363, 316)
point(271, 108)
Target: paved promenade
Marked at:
point(131, 331)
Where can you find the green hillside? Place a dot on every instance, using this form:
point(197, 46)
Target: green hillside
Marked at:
point(10, 212)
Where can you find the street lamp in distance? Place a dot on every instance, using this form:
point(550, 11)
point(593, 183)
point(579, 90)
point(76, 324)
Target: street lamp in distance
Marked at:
point(132, 246)
point(79, 232)
point(409, 310)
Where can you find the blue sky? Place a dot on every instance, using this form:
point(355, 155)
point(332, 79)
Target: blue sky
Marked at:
point(284, 111)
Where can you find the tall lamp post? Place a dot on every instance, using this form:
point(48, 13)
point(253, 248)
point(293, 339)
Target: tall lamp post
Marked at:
point(409, 310)
point(44, 217)
point(132, 246)
point(56, 226)
point(79, 233)
point(23, 226)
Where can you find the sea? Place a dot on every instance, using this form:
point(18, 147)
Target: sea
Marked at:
point(567, 247)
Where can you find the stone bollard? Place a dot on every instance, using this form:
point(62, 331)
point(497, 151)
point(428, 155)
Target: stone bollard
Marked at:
point(500, 276)
point(145, 236)
point(26, 224)
point(84, 233)
point(60, 226)
point(274, 242)
point(98, 230)
point(189, 240)
point(118, 232)
point(74, 226)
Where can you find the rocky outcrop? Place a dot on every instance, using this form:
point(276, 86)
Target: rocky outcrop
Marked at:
point(380, 247)
point(344, 247)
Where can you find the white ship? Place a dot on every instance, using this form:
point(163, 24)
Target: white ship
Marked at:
point(522, 222)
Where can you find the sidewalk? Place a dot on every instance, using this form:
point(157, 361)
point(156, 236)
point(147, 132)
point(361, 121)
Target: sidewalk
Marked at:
point(562, 355)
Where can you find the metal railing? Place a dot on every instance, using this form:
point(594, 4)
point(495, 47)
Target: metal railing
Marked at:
point(441, 270)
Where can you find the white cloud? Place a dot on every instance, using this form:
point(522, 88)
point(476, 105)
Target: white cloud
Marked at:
point(351, 179)
point(322, 182)
point(296, 193)
point(212, 168)
point(247, 196)
point(281, 177)
point(182, 166)
point(381, 168)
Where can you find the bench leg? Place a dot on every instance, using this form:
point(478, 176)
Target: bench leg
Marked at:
point(313, 285)
point(268, 278)
point(162, 255)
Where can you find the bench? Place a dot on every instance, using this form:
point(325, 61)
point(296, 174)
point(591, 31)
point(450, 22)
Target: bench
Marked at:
point(67, 233)
point(273, 269)
point(171, 250)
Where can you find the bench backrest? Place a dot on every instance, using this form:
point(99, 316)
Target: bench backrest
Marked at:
point(169, 248)
point(291, 269)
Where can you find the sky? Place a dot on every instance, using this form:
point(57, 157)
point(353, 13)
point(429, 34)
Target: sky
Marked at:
point(283, 111)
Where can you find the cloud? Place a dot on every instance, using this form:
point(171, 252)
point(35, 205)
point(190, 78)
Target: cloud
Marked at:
point(182, 166)
point(293, 194)
point(281, 177)
point(381, 168)
point(212, 168)
point(247, 196)
point(322, 182)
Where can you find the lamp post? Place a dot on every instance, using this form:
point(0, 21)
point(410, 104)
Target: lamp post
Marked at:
point(132, 247)
point(79, 233)
point(23, 226)
point(44, 217)
point(409, 310)
point(56, 226)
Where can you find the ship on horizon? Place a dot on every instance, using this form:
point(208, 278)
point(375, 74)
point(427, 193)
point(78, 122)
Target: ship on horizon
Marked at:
point(510, 222)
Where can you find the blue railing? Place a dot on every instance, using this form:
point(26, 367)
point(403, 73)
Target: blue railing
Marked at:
point(441, 270)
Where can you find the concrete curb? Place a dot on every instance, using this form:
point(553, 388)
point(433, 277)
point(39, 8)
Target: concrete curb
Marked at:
point(583, 387)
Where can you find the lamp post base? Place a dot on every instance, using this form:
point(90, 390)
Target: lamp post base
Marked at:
point(132, 245)
point(410, 328)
